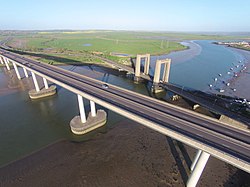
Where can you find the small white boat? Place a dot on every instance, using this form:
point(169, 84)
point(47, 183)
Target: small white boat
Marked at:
point(220, 74)
point(221, 91)
point(234, 89)
point(210, 85)
point(228, 84)
point(215, 79)
point(228, 72)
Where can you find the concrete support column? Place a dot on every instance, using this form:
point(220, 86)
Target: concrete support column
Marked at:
point(198, 169)
point(145, 66)
point(157, 72)
point(35, 81)
point(45, 83)
point(6, 63)
point(81, 108)
point(138, 66)
point(16, 70)
point(147, 63)
point(93, 110)
point(25, 72)
point(166, 71)
point(1, 60)
point(196, 158)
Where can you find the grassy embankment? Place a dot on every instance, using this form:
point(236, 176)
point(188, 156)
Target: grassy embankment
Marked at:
point(68, 47)
point(240, 47)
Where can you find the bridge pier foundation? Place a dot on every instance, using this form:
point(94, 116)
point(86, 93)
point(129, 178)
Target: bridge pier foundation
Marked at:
point(38, 93)
point(16, 70)
point(138, 79)
point(199, 165)
point(81, 125)
point(196, 106)
point(156, 88)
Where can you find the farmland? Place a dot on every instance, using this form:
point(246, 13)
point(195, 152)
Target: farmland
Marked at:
point(78, 46)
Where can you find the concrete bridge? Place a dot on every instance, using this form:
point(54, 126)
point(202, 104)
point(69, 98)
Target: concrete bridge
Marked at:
point(209, 136)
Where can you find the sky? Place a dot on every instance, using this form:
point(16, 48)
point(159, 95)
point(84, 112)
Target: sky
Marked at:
point(149, 15)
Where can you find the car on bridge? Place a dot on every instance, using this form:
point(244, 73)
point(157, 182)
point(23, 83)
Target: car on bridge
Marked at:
point(106, 86)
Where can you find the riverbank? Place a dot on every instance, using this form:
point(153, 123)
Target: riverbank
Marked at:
point(241, 82)
point(127, 155)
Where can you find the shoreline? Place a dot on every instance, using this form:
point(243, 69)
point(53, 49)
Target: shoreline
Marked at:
point(193, 49)
point(241, 82)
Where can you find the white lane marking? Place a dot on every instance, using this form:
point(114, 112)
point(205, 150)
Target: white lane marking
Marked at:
point(226, 145)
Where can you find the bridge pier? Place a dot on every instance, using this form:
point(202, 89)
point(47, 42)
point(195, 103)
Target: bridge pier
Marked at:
point(35, 81)
point(45, 83)
point(16, 70)
point(137, 77)
point(196, 158)
point(1, 60)
point(6, 63)
point(25, 72)
point(81, 108)
point(197, 168)
point(166, 71)
point(92, 107)
point(40, 93)
point(81, 125)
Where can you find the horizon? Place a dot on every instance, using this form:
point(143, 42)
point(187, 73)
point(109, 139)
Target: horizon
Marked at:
point(160, 15)
point(114, 30)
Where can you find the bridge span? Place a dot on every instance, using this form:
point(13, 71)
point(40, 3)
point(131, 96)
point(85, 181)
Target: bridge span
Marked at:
point(209, 136)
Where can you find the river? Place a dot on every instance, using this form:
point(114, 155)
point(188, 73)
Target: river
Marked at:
point(204, 62)
point(27, 125)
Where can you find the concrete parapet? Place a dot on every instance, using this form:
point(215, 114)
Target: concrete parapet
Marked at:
point(79, 128)
point(43, 92)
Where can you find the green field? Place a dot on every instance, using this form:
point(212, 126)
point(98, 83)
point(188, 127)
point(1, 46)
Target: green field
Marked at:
point(106, 42)
point(77, 46)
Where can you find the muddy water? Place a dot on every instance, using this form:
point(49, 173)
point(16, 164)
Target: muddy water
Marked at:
point(27, 125)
